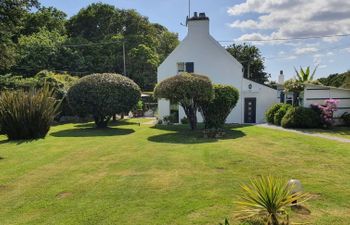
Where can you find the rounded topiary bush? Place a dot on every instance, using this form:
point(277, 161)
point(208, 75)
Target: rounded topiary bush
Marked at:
point(280, 114)
point(300, 117)
point(270, 114)
point(216, 111)
point(189, 90)
point(102, 96)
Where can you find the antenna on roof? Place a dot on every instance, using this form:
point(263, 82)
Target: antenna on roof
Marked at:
point(189, 14)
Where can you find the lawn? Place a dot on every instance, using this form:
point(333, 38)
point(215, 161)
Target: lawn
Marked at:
point(342, 132)
point(138, 174)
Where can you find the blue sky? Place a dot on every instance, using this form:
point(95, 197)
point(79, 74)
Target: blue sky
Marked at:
point(258, 20)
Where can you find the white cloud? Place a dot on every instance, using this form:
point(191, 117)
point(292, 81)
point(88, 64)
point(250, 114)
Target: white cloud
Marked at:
point(294, 18)
point(322, 66)
point(253, 37)
point(306, 50)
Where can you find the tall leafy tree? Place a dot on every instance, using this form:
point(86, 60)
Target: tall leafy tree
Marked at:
point(48, 18)
point(99, 32)
point(251, 59)
point(11, 19)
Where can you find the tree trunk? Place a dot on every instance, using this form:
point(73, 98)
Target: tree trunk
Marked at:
point(191, 113)
point(101, 121)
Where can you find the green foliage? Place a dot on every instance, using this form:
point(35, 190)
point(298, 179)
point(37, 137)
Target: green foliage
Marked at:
point(27, 115)
point(139, 105)
point(145, 62)
point(250, 55)
point(293, 85)
point(278, 116)
point(184, 120)
point(305, 75)
point(12, 14)
point(146, 44)
point(190, 90)
point(216, 111)
point(270, 114)
point(39, 51)
point(300, 117)
point(268, 199)
point(335, 80)
point(47, 18)
point(103, 95)
point(346, 118)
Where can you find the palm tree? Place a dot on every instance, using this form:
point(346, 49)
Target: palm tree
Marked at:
point(305, 75)
point(267, 199)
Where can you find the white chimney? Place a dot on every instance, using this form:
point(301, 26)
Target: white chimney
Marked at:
point(198, 25)
point(281, 78)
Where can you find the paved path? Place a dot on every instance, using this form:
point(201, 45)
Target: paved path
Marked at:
point(329, 137)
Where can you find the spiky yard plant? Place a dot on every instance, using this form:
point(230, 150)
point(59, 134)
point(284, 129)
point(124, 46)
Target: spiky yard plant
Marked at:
point(27, 114)
point(305, 75)
point(268, 199)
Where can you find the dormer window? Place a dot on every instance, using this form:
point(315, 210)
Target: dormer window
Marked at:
point(185, 67)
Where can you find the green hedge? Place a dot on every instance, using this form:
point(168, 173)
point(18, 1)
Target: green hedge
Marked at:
point(300, 117)
point(217, 110)
point(270, 114)
point(280, 114)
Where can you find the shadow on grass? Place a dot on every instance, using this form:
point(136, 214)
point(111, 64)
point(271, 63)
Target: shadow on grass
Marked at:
point(92, 132)
point(111, 123)
point(183, 135)
point(19, 142)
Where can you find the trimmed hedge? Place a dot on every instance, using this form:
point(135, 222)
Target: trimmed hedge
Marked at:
point(280, 114)
point(270, 114)
point(300, 117)
point(103, 95)
point(217, 110)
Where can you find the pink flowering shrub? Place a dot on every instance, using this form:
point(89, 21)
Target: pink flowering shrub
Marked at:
point(326, 111)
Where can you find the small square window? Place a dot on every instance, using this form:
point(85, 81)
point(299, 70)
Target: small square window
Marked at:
point(180, 67)
point(189, 67)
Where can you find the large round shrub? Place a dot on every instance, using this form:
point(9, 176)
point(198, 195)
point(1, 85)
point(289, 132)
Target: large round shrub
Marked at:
point(103, 95)
point(27, 114)
point(270, 114)
point(216, 111)
point(280, 114)
point(190, 90)
point(300, 117)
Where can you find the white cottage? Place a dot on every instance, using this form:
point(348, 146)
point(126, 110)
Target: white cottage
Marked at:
point(200, 53)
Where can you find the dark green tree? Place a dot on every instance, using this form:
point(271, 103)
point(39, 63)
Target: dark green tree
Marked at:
point(12, 14)
point(99, 31)
point(251, 59)
point(47, 18)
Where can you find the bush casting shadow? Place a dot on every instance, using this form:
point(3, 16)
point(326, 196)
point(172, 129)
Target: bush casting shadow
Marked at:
point(111, 123)
point(184, 135)
point(92, 132)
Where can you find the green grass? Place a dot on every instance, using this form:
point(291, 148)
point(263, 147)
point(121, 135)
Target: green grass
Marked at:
point(342, 132)
point(137, 174)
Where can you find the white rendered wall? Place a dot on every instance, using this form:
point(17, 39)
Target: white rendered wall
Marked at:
point(210, 59)
point(265, 98)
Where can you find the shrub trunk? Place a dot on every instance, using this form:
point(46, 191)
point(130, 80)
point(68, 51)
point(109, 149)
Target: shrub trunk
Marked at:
point(101, 121)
